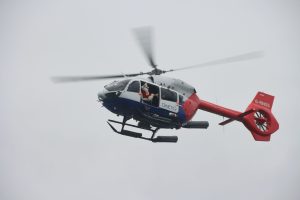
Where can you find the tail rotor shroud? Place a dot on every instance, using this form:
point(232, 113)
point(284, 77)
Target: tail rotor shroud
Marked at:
point(261, 120)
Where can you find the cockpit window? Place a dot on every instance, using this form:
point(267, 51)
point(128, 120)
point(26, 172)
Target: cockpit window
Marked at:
point(117, 85)
point(134, 87)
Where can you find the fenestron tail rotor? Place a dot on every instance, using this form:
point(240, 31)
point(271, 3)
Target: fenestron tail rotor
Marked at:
point(261, 120)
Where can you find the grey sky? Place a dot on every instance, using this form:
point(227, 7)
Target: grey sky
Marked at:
point(54, 140)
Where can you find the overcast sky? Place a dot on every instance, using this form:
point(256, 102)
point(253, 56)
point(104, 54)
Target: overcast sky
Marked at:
point(54, 140)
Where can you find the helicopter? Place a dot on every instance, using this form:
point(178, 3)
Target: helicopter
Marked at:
point(160, 102)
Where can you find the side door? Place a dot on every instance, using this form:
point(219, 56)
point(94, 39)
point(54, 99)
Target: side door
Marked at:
point(132, 92)
point(169, 100)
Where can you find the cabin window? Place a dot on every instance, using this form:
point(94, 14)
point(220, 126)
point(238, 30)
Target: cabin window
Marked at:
point(180, 99)
point(117, 85)
point(134, 87)
point(150, 93)
point(168, 95)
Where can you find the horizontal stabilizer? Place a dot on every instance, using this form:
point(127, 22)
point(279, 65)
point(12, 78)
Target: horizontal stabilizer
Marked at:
point(239, 117)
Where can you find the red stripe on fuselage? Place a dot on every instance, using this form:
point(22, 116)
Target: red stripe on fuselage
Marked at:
point(190, 106)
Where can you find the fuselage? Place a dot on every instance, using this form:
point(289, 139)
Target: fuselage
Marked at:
point(158, 101)
point(164, 102)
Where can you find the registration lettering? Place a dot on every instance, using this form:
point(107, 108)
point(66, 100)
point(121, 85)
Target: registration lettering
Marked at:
point(262, 103)
point(169, 107)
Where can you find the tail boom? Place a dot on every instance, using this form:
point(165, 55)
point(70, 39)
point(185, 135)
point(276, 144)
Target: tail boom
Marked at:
point(219, 110)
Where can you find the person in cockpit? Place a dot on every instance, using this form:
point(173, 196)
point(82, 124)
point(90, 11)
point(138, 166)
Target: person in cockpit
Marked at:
point(146, 95)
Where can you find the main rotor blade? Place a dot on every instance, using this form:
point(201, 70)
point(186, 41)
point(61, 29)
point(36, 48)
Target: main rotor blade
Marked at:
point(144, 37)
point(62, 79)
point(232, 59)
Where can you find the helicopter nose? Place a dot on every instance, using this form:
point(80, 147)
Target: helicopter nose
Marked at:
point(101, 95)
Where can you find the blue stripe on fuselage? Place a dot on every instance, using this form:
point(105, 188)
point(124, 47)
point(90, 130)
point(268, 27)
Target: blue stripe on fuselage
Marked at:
point(122, 106)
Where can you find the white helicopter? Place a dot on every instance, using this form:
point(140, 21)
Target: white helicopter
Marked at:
point(159, 102)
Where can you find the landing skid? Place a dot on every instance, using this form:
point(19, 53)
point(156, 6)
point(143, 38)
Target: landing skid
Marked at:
point(173, 139)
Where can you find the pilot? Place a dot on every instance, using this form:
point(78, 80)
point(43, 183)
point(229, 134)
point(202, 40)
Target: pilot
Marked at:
point(146, 95)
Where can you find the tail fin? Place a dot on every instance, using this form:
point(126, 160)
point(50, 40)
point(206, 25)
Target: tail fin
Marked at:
point(261, 122)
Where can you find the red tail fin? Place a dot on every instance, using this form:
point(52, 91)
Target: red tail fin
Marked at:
point(261, 121)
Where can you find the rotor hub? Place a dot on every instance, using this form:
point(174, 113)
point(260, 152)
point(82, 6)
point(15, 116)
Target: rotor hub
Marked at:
point(156, 71)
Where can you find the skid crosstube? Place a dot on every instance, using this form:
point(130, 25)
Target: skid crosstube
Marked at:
point(172, 139)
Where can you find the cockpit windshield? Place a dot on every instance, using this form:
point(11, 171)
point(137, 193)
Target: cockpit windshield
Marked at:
point(117, 85)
